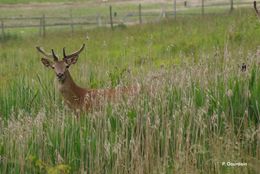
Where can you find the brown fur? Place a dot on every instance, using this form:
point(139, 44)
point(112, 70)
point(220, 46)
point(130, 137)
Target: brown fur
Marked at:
point(80, 99)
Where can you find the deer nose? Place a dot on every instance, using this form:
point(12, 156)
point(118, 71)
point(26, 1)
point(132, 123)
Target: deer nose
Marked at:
point(59, 75)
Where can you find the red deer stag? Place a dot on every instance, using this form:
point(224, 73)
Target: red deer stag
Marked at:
point(77, 98)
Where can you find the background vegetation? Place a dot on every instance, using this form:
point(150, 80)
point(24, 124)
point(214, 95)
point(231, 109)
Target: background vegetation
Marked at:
point(205, 110)
point(31, 1)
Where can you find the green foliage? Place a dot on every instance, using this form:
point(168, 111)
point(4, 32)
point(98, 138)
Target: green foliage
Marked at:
point(42, 166)
point(8, 36)
point(116, 75)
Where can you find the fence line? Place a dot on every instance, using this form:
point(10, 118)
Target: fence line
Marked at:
point(42, 22)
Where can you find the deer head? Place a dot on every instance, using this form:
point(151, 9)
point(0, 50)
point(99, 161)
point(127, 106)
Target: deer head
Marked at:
point(60, 67)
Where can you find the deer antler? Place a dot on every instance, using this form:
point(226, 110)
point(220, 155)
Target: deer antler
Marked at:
point(48, 55)
point(41, 50)
point(255, 7)
point(55, 57)
point(73, 54)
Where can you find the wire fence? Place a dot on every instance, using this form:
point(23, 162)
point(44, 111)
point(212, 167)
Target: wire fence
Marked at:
point(139, 16)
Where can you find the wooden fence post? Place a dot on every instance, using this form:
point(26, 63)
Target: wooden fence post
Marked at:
point(140, 14)
point(3, 28)
point(202, 7)
point(231, 5)
point(71, 23)
point(40, 28)
point(99, 20)
point(175, 9)
point(111, 17)
point(255, 7)
point(43, 26)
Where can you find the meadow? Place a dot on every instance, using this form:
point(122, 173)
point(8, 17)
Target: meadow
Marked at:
point(204, 110)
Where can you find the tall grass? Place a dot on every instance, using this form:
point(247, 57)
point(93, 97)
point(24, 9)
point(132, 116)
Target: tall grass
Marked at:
point(203, 109)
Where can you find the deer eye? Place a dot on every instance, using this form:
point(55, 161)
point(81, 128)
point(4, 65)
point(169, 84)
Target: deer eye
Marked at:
point(67, 66)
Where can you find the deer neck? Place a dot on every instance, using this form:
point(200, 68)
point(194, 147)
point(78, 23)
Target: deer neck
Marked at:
point(69, 89)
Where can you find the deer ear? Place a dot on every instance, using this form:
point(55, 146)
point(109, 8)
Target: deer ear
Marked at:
point(47, 63)
point(71, 60)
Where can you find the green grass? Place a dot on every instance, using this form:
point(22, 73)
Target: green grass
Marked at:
point(205, 111)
